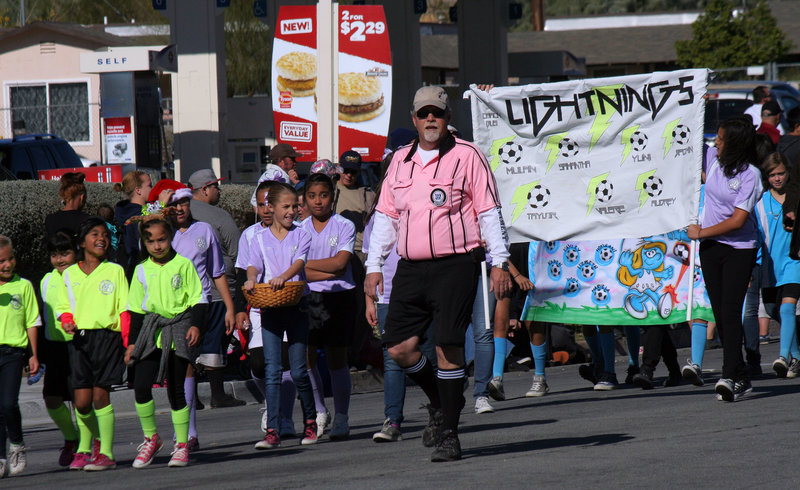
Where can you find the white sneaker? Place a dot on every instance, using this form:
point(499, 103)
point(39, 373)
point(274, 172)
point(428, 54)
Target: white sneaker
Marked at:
point(341, 427)
point(482, 405)
point(17, 461)
point(323, 420)
point(538, 388)
point(3, 468)
point(496, 388)
point(264, 419)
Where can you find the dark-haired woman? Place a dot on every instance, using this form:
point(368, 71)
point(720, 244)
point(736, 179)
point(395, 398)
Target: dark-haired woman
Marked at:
point(728, 245)
point(73, 198)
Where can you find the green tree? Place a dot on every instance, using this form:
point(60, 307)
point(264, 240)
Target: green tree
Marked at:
point(724, 37)
point(248, 50)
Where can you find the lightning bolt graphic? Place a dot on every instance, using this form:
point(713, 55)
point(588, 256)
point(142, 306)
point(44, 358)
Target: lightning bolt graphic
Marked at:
point(640, 181)
point(601, 121)
point(667, 135)
point(625, 140)
point(591, 190)
point(496, 144)
point(552, 147)
point(520, 198)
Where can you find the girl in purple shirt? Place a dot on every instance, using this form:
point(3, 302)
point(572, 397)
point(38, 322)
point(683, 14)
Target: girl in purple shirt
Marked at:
point(728, 246)
point(278, 255)
point(333, 296)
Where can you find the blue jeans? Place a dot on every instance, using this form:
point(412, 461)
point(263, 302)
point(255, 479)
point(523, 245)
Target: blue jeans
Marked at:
point(394, 378)
point(294, 321)
point(12, 360)
point(484, 342)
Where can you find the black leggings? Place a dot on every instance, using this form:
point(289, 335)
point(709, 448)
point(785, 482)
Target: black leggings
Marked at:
point(146, 372)
point(726, 272)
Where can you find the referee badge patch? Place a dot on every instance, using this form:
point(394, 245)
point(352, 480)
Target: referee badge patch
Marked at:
point(177, 281)
point(106, 287)
point(438, 197)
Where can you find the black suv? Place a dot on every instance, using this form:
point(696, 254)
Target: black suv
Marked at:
point(23, 156)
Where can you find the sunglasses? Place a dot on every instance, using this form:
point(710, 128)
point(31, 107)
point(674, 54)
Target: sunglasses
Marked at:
point(437, 113)
point(350, 171)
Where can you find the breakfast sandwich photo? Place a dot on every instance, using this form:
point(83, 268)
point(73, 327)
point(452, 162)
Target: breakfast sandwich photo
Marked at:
point(360, 97)
point(297, 73)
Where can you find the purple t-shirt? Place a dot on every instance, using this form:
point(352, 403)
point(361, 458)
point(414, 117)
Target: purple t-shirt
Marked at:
point(389, 267)
point(724, 195)
point(339, 234)
point(199, 244)
point(245, 245)
point(272, 257)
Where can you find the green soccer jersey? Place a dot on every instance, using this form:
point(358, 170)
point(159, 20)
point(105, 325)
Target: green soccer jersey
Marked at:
point(18, 312)
point(52, 287)
point(95, 300)
point(166, 290)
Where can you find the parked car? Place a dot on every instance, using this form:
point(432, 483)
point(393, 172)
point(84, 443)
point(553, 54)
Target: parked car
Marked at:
point(783, 93)
point(718, 110)
point(22, 157)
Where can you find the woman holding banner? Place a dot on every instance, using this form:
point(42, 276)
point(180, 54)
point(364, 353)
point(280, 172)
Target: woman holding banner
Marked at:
point(728, 245)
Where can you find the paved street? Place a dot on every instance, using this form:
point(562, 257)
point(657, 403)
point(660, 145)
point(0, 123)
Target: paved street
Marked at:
point(574, 437)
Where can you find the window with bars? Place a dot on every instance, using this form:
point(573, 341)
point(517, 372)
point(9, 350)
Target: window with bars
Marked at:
point(58, 108)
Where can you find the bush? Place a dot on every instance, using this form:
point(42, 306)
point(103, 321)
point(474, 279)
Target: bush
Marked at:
point(24, 204)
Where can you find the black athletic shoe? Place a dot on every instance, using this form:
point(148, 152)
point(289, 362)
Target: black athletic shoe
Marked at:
point(448, 447)
point(588, 372)
point(644, 379)
point(674, 379)
point(431, 432)
point(632, 371)
point(227, 402)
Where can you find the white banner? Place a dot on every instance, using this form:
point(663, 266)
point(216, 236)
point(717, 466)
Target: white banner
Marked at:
point(595, 159)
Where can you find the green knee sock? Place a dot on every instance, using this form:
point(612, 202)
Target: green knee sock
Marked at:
point(63, 420)
point(147, 417)
point(87, 427)
point(105, 422)
point(180, 420)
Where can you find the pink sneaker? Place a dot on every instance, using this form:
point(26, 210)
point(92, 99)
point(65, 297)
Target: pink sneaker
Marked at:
point(79, 461)
point(147, 451)
point(180, 456)
point(95, 448)
point(271, 440)
point(100, 463)
point(67, 453)
point(193, 444)
point(309, 433)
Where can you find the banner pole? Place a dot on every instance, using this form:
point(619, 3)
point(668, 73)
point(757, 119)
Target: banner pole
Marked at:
point(690, 300)
point(485, 291)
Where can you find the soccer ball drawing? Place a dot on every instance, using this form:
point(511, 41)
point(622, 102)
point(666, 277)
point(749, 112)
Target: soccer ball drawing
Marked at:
point(681, 134)
point(601, 296)
point(572, 288)
point(638, 141)
point(510, 152)
point(554, 269)
point(538, 197)
point(604, 191)
point(568, 148)
point(653, 186)
point(586, 270)
point(572, 255)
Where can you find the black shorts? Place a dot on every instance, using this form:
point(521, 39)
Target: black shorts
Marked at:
point(331, 318)
point(96, 358)
point(438, 290)
point(776, 293)
point(55, 355)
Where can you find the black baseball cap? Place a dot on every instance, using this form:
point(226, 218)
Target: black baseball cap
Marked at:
point(350, 160)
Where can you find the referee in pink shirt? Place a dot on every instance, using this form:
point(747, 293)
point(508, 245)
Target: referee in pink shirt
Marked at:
point(438, 200)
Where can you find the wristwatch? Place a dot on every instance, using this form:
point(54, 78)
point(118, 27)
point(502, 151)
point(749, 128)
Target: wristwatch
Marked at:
point(502, 265)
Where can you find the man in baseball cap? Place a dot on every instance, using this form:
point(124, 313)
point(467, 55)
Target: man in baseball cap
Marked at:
point(770, 118)
point(205, 186)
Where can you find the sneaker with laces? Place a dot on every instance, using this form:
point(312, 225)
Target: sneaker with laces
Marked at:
point(781, 367)
point(644, 379)
point(264, 419)
point(630, 373)
point(724, 389)
point(390, 432)
point(692, 373)
point(3, 468)
point(794, 369)
point(95, 449)
point(180, 456)
point(538, 388)
point(193, 444)
point(742, 389)
point(606, 382)
point(323, 420)
point(309, 433)
point(482, 405)
point(67, 453)
point(448, 447)
point(17, 459)
point(271, 440)
point(588, 372)
point(763, 339)
point(147, 451)
point(431, 431)
point(496, 388)
point(341, 427)
point(101, 463)
point(79, 461)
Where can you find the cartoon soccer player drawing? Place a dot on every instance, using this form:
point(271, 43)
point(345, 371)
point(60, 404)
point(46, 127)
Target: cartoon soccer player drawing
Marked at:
point(642, 271)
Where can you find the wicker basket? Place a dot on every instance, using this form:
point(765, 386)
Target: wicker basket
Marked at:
point(265, 297)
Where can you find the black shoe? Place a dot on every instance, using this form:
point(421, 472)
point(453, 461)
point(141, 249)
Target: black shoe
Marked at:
point(431, 432)
point(198, 405)
point(644, 379)
point(448, 447)
point(227, 402)
point(632, 371)
point(754, 370)
point(588, 372)
point(674, 379)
